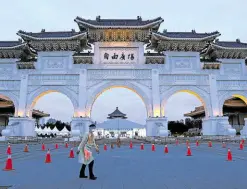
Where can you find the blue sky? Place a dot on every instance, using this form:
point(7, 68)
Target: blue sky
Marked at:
point(226, 16)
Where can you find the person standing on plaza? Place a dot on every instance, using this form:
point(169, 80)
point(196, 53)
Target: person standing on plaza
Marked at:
point(85, 153)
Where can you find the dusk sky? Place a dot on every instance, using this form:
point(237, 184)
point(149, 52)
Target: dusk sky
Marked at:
point(226, 16)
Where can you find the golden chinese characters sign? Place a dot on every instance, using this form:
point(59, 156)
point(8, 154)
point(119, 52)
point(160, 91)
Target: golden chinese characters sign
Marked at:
point(119, 55)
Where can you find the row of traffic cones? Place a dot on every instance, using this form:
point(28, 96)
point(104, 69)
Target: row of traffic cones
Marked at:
point(48, 155)
point(9, 151)
point(9, 164)
point(56, 146)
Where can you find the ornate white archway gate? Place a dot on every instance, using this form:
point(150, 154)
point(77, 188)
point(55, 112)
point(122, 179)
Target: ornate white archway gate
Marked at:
point(184, 61)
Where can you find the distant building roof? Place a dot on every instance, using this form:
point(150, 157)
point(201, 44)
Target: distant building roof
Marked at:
point(38, 113)
point(230, 103)
point(6, 103)
point(121, 124)
point(117, 114)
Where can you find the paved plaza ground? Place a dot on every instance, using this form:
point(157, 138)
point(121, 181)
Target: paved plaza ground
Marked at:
point(124, 168)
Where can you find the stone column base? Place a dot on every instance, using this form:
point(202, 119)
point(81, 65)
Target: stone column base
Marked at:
point(20, 126)
point(80, 125)
point(217, 126)
point(157, 126)
point(243, 132)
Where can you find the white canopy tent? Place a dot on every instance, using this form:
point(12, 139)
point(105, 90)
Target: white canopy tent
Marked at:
point(64, 132)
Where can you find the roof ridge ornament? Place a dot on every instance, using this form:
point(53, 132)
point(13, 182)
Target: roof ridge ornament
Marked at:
point(139, 18)
point(98, 18)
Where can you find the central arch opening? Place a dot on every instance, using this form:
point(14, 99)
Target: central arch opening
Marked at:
point(185, 110)
point(126, 101)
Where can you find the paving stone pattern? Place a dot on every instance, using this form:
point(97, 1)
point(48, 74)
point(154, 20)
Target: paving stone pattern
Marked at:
point(124, 168)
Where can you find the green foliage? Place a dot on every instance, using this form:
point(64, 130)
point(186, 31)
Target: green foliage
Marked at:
point(59, 124)
point(180, 127)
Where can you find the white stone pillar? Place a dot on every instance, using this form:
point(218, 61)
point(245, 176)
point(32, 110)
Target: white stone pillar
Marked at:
point(157, 127)
point(213, 97)
point(23, 96)
point(243, 132)
point(80, 123)
point(81, 112)
point(155, 93)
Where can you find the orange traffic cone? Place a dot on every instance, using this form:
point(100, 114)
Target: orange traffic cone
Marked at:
point(210, 144)
point(166, 149)
point(105, 147)
point(48, 157)
point(177, 142)
point(229, 155)
point(66, 145)
point(43, 147)
point(241, 146)
point(189, 151)
point(142, 146)
point(9, 165)
point(26, 149)
point(56, 146)
point(131, 145)
point(9, 150)
point(223, 145)
point(153, 147)
point(71, 154)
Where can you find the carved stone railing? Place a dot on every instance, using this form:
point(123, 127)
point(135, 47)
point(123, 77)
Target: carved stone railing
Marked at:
point(155, 59)
point(26, 65)
point(83, 59)
point(211, 65)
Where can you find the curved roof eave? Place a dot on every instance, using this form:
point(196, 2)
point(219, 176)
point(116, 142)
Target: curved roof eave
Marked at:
point(212, 37)
point(81, 22)
point(26, 36)
point(13, 47)
point(227, 48)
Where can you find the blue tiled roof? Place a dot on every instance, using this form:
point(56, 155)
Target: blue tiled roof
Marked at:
point(231, 44)
point(119, 22)
point(188, 34)
point(117, 113)
point(57, 34)
point(121, 124)
point(10, 43)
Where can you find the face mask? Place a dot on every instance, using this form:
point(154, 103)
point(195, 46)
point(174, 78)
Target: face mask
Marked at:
point(91, 129)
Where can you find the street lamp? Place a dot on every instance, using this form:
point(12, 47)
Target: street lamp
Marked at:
point(118, 127)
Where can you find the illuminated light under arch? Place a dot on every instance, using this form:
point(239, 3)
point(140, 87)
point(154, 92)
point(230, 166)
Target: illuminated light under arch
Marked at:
point(113, 87)
point(36, 99)
point(243, 98)
point(189, 92)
